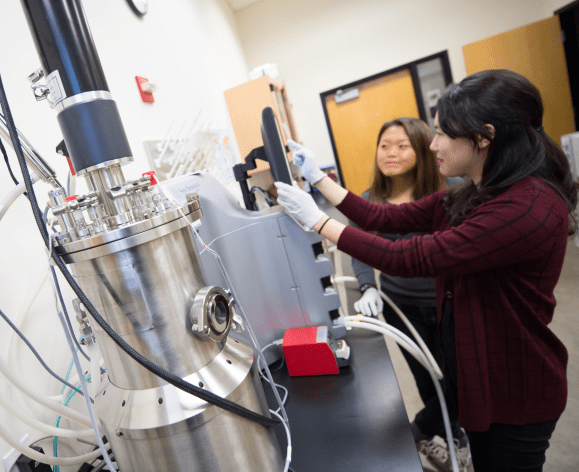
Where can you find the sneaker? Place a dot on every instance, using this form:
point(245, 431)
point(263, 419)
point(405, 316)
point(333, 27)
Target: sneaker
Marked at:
point(437, 453)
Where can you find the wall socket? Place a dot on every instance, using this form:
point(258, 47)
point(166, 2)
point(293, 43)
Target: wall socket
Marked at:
point(11, 456)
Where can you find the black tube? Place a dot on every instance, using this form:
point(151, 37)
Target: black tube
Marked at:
point(93, 133)
point(64, 42)
point(92, 129)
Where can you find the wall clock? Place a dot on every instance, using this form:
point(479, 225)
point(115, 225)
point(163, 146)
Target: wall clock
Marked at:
point(140, 7)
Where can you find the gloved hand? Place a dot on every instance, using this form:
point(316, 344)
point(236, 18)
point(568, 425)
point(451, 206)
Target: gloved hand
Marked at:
point(304, 159)
point(370, 304)
point(298, 204)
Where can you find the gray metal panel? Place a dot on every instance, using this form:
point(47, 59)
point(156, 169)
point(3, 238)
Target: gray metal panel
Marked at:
point(268, 257)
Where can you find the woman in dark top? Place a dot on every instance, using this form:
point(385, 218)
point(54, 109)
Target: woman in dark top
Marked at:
point(496, 246)
point(406, 170)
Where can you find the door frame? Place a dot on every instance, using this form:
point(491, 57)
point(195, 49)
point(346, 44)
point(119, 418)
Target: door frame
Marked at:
point(413, 66)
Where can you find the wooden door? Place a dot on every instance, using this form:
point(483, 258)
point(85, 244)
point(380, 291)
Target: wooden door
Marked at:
point(355, 123)
point(245, 104)
point(535, 51)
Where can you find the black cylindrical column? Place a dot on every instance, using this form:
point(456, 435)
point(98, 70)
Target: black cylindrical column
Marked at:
point(87, 115)
point(64, 43)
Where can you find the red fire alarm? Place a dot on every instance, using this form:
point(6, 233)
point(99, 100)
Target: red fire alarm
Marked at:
point(145, 89)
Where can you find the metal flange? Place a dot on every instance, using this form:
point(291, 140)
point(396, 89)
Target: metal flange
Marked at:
point(212, 313)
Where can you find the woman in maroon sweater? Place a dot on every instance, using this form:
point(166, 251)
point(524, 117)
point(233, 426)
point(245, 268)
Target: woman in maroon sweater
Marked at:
point(496, 247)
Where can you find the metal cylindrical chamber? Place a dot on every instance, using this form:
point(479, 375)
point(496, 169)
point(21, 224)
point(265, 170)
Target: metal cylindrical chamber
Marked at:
point(143, 280)
point(64, 43)
point(166, 429)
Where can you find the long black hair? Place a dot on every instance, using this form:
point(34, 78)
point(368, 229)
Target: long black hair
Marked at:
point(518, 144)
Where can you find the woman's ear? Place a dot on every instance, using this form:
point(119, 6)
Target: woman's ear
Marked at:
point(484, 142)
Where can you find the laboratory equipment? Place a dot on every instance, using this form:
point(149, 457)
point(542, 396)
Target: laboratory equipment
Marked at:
point(131, 251)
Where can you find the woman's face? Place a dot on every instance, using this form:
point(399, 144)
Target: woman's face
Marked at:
point(457, 157)
point(395, 155)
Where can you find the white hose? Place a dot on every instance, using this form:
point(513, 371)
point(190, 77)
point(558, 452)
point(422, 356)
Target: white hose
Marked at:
point(43, 400)
point(14, 193)
point(45, 459)
point(43, 427)
point(419, 340)
point(344, 279)
point(378, 326)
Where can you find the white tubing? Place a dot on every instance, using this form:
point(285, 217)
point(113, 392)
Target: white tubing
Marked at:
point(13, 195)
point(288, 457)
point(391, 332)
point(43, 427)
point(395, 334)
point(345, 279)
point(414, 333)
point(43, 400)
point(35, 455)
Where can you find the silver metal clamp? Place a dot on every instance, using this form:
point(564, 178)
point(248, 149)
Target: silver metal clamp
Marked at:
point(212, 313)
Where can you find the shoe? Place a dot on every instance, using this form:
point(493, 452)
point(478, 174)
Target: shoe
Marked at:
point(437, 453)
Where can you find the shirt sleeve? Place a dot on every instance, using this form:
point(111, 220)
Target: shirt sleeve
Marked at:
point(363, 272)
point(414, 217)
point(504, 231)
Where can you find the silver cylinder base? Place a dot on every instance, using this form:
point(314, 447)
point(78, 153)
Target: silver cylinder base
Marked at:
point(165, 428)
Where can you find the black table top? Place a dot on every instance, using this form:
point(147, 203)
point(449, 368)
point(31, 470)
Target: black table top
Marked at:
point(354, 421)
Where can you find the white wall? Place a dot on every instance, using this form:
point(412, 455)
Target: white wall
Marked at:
point(551, 6)
point(322, 44)
point(190, 49)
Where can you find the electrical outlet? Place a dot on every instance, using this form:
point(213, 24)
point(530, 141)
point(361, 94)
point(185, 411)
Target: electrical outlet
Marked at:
point(11, 456)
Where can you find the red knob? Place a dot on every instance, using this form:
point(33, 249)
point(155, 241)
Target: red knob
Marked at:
point(153, 176)
point(72, 197)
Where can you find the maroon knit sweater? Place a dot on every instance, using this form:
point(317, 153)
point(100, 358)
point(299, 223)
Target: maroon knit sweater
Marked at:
point(498, 270)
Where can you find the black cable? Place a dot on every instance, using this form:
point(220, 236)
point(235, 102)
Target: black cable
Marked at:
point(157, 370)
point(269, 198)
point(5, 154)
point(35, 352)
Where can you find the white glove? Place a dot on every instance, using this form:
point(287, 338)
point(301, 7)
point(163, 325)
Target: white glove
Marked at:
point(298, 204)
point(304, 159)
point(370, 304)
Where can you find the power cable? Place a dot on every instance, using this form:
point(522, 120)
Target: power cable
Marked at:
point(5, 154)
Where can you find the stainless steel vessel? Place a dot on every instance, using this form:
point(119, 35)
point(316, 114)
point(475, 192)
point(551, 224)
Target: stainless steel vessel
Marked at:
point(145, 280)
point(131, 251)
